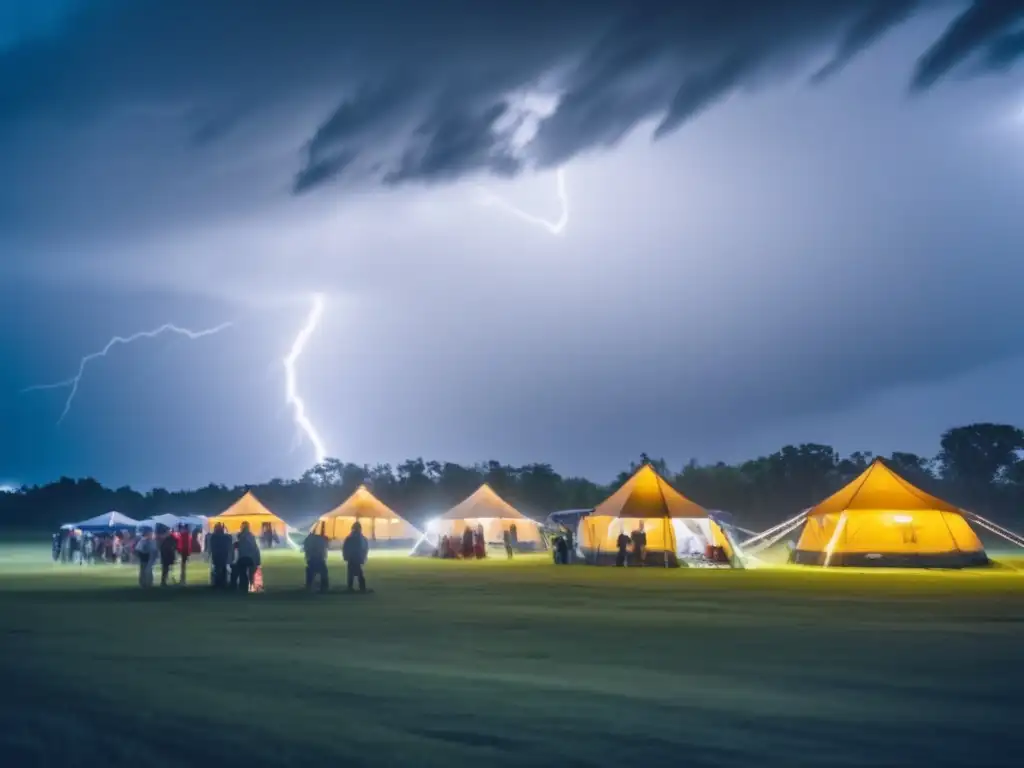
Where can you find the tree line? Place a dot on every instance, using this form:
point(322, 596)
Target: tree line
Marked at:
point(979, 467)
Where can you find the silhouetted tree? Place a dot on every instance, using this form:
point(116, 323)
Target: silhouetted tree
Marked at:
point(979, 467)
point(980, 454)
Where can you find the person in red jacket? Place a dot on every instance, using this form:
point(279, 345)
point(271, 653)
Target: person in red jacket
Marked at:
point(184, 549)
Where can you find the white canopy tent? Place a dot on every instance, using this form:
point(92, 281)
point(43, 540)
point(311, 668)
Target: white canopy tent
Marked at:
point(110, 521)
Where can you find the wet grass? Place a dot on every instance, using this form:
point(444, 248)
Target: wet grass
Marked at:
point(513, 664)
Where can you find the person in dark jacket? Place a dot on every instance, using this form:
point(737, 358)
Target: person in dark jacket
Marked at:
point(562, 550)
point(315, 547)
point(168, 550)
point(248, 558)
point(354, 550)
point(221, 549)
point(622, 545)
point(639, 539)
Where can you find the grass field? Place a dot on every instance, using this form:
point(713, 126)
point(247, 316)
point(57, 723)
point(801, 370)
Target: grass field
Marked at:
point(513, 664)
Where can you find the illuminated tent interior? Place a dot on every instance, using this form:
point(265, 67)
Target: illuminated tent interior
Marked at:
point(380, 524)
point(249, 509)
point(678, 530)
point(485, 507)
point(881, 519)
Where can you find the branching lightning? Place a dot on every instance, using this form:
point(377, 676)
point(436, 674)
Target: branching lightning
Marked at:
point(554, 227)
point(73, 382)
point(291, 387)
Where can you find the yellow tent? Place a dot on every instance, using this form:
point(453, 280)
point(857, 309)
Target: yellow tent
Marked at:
point(249, 509)
point(675, 526)
point(380, 523)
point(485, 507)
point(881, 519)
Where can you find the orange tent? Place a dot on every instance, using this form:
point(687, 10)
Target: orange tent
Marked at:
point(485, 507)
point(379, 522)
point(249, 509)
point(675, 526)
point(881, 519)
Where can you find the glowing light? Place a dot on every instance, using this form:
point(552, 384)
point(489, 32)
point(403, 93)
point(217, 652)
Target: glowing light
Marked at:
point(556, 227)
point(902, 519)
point(835, 538)
point(292, 397)
point(73, 382)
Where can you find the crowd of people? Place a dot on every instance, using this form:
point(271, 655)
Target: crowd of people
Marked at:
point(72, 545)
point(472, 544)
point(234, 561)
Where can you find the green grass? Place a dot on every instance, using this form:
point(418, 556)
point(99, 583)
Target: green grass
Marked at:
point(513, 664)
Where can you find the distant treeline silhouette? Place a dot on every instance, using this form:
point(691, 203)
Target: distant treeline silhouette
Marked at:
point(979, 467)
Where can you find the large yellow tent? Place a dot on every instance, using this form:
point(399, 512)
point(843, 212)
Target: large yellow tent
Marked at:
point(380, 523)
point(675, 526)
point(881, 519)
point(485, 507)
point(249, 509)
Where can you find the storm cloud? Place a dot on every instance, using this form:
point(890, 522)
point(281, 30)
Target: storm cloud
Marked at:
point(419, 88)
point(767, 234)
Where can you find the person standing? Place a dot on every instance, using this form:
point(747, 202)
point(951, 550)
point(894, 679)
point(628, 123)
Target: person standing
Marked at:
point(507, 536)
point(315, 547)
point(146, 552)
point(248, 558)
point(639, 539)
point(622, 547)
point(220, 549)
point(354, 550)
point(184, 550)
point(168, 551)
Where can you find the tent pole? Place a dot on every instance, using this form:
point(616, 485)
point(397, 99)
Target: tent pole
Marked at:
point(668, 515)
point(1012, 538)
point(835, 537)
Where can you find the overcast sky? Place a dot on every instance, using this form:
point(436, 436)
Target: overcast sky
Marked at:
point(787, 222)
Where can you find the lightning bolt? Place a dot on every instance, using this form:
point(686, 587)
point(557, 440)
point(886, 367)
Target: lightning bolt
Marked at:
point(73, 382)
point(292, 397)
point(554, 227)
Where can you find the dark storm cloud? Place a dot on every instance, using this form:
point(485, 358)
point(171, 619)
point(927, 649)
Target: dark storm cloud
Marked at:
point(864, 33)
point(988, 26)
point(448, 67)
